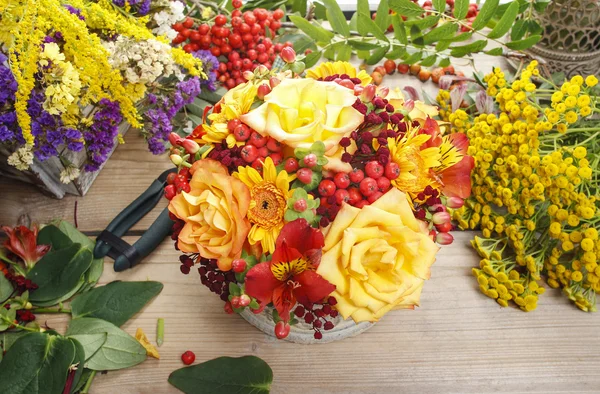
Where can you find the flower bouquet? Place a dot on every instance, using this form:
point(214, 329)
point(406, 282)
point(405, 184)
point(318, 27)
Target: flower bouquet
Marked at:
point(308, 200)
point(75, 75)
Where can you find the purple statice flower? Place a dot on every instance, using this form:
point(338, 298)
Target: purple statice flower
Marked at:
point(74, 11)
point(209, 65)
point(5, 133)
point(119, 3)
point(144, 8)
point(100, 138)
point(49, 39)
point(8, 84)
point(156, 146)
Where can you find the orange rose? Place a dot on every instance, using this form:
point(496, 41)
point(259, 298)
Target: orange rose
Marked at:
point(214, 212)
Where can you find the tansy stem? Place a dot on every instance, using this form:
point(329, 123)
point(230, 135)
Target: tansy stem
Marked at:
point(88, 384)
point(51, 310)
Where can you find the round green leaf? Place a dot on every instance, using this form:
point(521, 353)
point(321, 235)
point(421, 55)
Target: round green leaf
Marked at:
point(243, 375)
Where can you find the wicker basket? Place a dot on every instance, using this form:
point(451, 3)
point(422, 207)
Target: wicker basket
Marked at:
point(571, 37)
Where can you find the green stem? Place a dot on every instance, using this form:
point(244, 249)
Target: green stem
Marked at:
point(15, 266)
point(18, 326)
point(51, 310)
point(88, 384)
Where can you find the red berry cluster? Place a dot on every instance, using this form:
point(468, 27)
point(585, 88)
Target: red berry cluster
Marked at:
point(177, 182)
point(25, 316)
point(241, 41)
point(257, 147)
point(216, 280)
point(20, 283)
point(318, 317)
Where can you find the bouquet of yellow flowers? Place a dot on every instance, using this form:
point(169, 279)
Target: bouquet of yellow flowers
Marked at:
point(535, 185)
point(322, 196)
point(72, 71)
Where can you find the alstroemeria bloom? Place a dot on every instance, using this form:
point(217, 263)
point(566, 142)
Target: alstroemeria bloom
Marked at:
point(23, 242)
point(290, 275)
point(378, 257)
point(299, 112)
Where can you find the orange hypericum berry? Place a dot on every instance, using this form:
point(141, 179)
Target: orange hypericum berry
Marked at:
point(414, 69)
point(424, 75)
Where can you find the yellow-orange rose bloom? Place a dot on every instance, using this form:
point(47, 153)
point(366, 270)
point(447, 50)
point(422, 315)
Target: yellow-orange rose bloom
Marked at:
point(299, 112)
point(378, 257)
point(214, 212)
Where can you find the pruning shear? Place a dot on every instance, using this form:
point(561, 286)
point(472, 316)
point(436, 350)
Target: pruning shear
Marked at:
point(109, 241)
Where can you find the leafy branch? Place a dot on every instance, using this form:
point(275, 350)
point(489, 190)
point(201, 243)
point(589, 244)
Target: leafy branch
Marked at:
point(427, 37)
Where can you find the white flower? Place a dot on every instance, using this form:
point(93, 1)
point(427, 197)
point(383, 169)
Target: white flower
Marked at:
point(166, 18)
point(69, 174)
point(22, 158)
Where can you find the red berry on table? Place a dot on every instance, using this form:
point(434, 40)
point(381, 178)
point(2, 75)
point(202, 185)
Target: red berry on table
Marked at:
point(356, 175)
point(236, 3)
point(291, 165)
point(235, 301)
point(305, 175)
point(239, 265)
point(249, 153)
point(342, 196)
point(178, 26)
point(233, 123)
point(262, 91)
point(328, 325)
point(203, 29)
point(171, 178)
point(310, 160)
point(326, 188)
point(282, 329)
point(300, 205)
point(342, 180)
point(318, 335)
point(241, 132)
point(392, 171)
point(368, 186)
point(263, 152)
point(188, 22)
point(257, 140)
point(374, 197)
point(188, 357)
point(278, 14)
point(383, 184)
point(258, 164)
point(185, 187)
point(374, 169)
point(390, 66)
point(228, 308)
point(220, 20)
point(245, 300)
point(354, 196)
point(403, 68)
point(361, 204)
point(170, 192)
point(444, 228)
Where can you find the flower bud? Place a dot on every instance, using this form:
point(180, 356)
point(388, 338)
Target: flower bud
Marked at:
point(274, 82)
point(174, 139)
point(261, 70)
point(190, 146)
point(298, 67)
point(383, 92)
point(409, 105)
point(436, 208)
point(28, 305)
point(248, 75)
point(455, 202)
point(245, 300)
point(358, 89)
point(441, 217)
point(176, 159)
point(368, 93)
point(444, 238)
point(262, 91)
point(288, 55)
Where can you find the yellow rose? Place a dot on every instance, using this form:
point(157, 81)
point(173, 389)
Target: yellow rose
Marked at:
point(378, 257)
point(214, 212)
point(299, 112)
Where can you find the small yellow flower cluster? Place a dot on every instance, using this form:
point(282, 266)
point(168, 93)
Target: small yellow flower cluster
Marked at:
point(536, 194)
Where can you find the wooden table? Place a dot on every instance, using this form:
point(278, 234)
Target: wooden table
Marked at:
point(458, 341)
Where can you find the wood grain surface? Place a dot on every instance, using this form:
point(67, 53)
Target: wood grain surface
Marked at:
point(458, 341)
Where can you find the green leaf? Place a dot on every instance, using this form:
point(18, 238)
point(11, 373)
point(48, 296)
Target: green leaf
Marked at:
point(52, 235)
point(462, 37)
point(320, 11)
point(362, 45)
point(524, 43)
point(534, 28)
point(461, 7)
point(6, 288)
point(79, 361)
point(396, 53)
point(119, 351)
point(299, 6)
point(317, 33)
point(7, 339)
point(212, 97)
point(505, 23)
point(7, 317)
point(59, 272)
point(362, 8)
point(414, 58)
point(366, 23)
point(469, 48)
point(37, 363)
point(343, 54)
point(406, 7)
point(399, 29)
point(486, 13)
point(540, 5)
point(439, 5)
point(91, 343)
point(377, 55)
point(336, 17)
point(445, 62)
point(382, 19)
point(312, 58)
point(428, 61)
point(440, 33)
point(495, 52)
point(116, 302)
point(442, 45)
point(243, 375)
point(518, 30)
point(424, 23)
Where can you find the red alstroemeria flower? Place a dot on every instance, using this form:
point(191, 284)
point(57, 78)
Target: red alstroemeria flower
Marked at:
point(456, 180)
point(431, 128)
point(23, 242)
point(290, 275)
